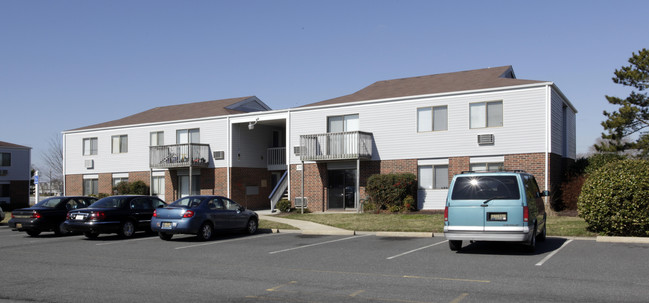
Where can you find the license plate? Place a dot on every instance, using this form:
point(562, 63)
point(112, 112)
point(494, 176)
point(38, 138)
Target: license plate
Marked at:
point(18, 225)
point(167, 225)
point(79, 216)
point(497, 217)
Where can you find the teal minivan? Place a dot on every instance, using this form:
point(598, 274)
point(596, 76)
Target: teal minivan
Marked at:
point(494, 206)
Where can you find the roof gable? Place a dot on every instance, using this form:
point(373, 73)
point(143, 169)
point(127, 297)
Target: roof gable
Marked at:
point(433, 84)
point(11, 145)
point(188, 111)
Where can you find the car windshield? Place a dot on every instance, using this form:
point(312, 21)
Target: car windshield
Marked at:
point(485, 187)
point(109, 202)
point(188, 202)
point(49, 203)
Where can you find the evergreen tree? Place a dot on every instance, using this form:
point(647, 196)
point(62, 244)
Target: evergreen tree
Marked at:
point(626, 128)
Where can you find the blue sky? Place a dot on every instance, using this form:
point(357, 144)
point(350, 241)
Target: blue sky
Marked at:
point(67, 64)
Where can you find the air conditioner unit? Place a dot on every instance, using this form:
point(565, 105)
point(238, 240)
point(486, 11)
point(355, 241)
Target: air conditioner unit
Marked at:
point(3, 172)
point(300, 202)
point(89, 164)
point(486, 139)
point(297, 150)
point(219, 155)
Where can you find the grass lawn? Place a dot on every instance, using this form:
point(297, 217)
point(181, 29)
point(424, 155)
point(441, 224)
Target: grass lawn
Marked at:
point(265, 224)
point(414, 222)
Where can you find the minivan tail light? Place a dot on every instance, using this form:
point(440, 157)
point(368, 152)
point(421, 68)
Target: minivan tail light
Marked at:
point(188, 214)
point(526, 214)
point(446, 214)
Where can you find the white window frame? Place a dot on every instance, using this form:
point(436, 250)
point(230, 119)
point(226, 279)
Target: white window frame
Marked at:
point(119, 144)
point(188, 135)
point(156, 138)
point(350, 123)
point(431, 177)
point(94, 185)
point(426, 119)
point(479, 114)
point(5, 158)
point(90, 146)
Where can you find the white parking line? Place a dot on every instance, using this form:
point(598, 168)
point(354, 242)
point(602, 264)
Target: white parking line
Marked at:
point(316, 244)
point(124, 241)
point(414, 250)
point(226, 241)
point(553, 253)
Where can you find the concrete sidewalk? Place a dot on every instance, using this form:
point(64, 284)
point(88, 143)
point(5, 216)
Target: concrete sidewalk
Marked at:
point(305, 226)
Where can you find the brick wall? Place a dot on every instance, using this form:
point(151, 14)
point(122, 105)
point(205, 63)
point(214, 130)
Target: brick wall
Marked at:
point(74, 185)
point(531, 163)
point(243, 177)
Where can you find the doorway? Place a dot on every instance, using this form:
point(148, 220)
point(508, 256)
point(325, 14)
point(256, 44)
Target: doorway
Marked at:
point(184, 186)
point(342, 189)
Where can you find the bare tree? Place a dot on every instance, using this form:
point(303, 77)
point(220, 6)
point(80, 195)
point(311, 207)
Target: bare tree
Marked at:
point(53, 158)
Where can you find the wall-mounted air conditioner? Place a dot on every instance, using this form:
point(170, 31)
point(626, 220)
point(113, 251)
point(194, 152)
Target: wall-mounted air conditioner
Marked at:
point(300, 201)
point(3, 172)
point(219, 155)
point(89, 164)
point(296, 150)
point(486, 139)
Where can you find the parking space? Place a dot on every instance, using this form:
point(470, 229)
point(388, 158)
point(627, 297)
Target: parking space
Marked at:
point(311, 268)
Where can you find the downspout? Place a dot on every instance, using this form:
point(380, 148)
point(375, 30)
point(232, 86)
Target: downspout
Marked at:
point(548, 145)
point(229, 161)
point(64, 174)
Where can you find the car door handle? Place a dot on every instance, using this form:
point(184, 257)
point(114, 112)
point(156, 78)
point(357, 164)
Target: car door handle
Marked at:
point(484, 205)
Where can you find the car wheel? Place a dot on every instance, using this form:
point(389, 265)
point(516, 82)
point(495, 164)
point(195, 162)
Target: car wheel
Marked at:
point(165, 236)
point(543, 234)
point(531, 246)
point(33, 233)
point(61, 230)
point(252, 226)
point(205, 232)
point(455, 245)
point(127, 230)
point(91, 235)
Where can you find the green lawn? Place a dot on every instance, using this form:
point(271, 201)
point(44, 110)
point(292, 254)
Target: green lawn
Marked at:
point(557, 225)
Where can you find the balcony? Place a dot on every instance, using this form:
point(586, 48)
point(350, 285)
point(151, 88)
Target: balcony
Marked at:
point(276, 158)
point(336, 146)
point(179, 156)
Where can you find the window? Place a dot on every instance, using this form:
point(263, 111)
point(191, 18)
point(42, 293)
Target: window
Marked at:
point(486, 114)
point(5, 159)
point(120, 144)
point(157, 138)
point(433, 177)
point(90, 187)
point(117, 180)
point(495, 166)
point(4, 190)
point(184, 136)
point(89, 146)
point(158, 185)
point(348, 123)
point(432, 118)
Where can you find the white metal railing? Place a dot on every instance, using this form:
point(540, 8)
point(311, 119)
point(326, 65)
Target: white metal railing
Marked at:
point(276, 158)
point(336, 146)
point(179, 155)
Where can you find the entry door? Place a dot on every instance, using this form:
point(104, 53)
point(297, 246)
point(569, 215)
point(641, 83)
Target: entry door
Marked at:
point(342, 189)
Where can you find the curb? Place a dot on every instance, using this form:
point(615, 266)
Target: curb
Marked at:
point(606, 239)
point(329, 232)
point(404, 234)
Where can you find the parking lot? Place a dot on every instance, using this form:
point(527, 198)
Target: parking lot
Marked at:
point(291, 267)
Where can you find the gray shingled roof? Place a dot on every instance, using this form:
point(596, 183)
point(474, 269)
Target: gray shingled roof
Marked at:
point(177, 112)
point(433, 84)
point(11, 145)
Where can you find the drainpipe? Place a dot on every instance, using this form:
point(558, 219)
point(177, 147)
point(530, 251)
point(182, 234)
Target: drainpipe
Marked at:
point(302, 208)
point(358, 184)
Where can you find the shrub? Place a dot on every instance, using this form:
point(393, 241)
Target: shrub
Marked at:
point(388, 191)
point(615, 199)
point(131, 188)
point(570, 191)
point(283, 205)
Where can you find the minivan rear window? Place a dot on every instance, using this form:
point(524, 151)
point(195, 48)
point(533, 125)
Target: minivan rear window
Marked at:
point(485, 187)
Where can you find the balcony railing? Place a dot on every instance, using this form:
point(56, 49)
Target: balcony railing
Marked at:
point(179, 155)
point(336, 146)
point(276, 158)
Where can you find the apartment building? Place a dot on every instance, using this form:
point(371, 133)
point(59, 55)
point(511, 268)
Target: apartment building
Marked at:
point(321, 154)
point(15, 174)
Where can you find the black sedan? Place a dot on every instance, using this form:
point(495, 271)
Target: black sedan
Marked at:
point(123, 215)
point(47, 215)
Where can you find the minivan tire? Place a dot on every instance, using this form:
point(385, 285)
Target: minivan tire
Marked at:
point(531, 246)
point(543, 234)
point(455, 245)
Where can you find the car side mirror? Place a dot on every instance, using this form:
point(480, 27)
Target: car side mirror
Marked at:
point(545, 193)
